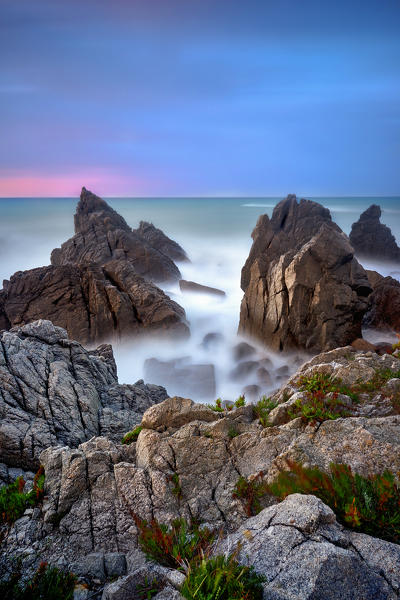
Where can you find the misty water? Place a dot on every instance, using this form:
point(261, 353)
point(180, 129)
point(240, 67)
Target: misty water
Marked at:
point(216, 234)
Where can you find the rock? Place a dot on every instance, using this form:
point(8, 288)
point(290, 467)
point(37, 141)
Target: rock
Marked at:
point(383, 348)
point(243, 350)
point(303, 553)
point(243, 369)
point(191, 286)
point(371, 239)
point(175, 412)
point(303, 287)
point(252, 392)
point(384, 307)
point(102, 235)
point(159, 241)
point(93, 303)
point(264, 377)
point(212, 340)
point(361, 344)
point(196, 381)
point(55, 392)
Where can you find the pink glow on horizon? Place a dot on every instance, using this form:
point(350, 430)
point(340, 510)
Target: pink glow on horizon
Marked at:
point(101, 182)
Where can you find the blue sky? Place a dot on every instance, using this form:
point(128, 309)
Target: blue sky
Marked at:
point(179, 97)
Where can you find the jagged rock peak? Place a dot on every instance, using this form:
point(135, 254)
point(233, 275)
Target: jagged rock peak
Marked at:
point(371, 238)
point(303, 287)
point(90, 204)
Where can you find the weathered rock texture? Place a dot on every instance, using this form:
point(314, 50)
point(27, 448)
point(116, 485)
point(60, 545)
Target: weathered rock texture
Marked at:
point(102, 235)
point(99, 285)
point(384, 307)
point(52, 391)
point(303, 287)
point(93, 303)
point(371, 239)
point(305, 554)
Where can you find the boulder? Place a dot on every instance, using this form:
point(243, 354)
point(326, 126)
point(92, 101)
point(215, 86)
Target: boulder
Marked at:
point(303, 552)
point(191, 286)
point(52, 391)
point(159, 241)
point(384, 303)
point(243, 350)
point(302, 286)
point(192, 380)
point(93, 303)
point(102, 235)
point(371, 239)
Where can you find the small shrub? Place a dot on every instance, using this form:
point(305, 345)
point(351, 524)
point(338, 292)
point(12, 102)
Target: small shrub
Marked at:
point(177, 489)
point(48, 583)
point(232, 432)
point(222, 578)
point(317, 407)
point(217, 407)
point(241, 401)
point(324, 383)
point(263, 408)
point(369, 504)
point(250, 492)
point(174, 545)
point(14, 501)
point(148, 589)
point(132, 436)
point(208, 434)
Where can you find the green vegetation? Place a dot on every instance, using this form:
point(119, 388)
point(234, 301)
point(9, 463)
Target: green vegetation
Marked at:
point(263, 408)
point(132, 436)
point(177, 489)
point(175, 545)
point(368, 504)
point(222, 578)
point(48, 583)
point(148, 589)
point(241, 401)
point(232, 432)
point(217, 407)
point(14, 501)
point(250, 492)
point(317, 407)
point(325, 384)
point(381, 377)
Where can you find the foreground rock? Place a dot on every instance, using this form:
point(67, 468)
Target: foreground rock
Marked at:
point(93, 303)
point(371, 239)
point(303, 287)
point(384, 310)
point(304, 553)
point(52, 391)
point(102, 235)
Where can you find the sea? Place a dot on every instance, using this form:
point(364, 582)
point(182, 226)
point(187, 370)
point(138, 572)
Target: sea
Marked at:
point(216, 235)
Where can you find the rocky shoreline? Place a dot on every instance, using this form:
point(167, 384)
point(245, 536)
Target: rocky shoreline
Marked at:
point(63, 411)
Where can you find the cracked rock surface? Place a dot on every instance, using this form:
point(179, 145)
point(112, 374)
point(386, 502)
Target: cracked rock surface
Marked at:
point(53, 391)
point(302, 286)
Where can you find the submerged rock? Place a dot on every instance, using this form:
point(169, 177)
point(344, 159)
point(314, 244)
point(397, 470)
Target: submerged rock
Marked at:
point(191, 380)
point(191, 286)
point(371, 239)
point(303, 287)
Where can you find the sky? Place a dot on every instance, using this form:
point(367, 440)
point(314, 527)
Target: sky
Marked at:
point(199, 97)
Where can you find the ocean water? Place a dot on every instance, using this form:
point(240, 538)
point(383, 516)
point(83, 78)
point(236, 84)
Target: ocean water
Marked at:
point(216, 234)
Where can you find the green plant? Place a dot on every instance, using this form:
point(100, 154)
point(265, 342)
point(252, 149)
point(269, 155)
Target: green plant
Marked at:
point(324, 384)
point(241, 401)
point(148, 589)
point(222, 578)
point(250, 492)
point(217, 407)
point(208, 434)
point(368, 504)
point(48, 583)
point(232, 432)
point(177, 489)
point(132, 436)
point(14, 501)
point(263, 408)
point(174, 545)
point(317, 407)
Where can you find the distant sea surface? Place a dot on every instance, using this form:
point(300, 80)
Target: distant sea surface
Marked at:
point(216, 234)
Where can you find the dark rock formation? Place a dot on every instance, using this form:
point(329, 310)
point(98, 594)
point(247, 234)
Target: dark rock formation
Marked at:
point(158, 240)
point(191, 286)
point(384, 308)
point(371, 239)
point(303, 287)
point(93, 303)
point(102, 235)
point(52, 391)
